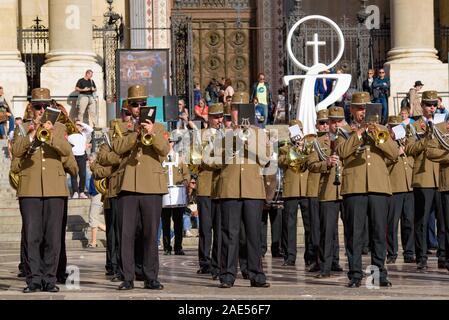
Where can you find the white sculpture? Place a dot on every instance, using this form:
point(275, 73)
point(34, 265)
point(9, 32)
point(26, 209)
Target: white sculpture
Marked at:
point(306, 107)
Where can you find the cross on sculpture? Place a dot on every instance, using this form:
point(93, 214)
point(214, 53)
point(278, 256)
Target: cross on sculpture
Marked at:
point(170, 164)
point(316, 44)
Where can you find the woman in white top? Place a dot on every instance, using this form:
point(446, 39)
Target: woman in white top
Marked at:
point(229, 90)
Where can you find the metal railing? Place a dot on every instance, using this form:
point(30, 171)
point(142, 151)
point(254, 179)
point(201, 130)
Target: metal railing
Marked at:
point(397, 99)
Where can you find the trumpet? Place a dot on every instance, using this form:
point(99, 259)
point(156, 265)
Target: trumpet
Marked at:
point(146, 139)
point(379, 136)
point(43, 135)
point(101, 185)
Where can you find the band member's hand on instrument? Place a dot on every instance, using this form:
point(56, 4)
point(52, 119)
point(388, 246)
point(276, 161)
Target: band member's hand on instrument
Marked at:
point(333, 160)
point(148, 126)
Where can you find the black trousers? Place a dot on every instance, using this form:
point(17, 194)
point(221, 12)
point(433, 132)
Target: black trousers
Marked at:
point(177, 215)
point(243, 251)
point(445, 214)
point(112, 253)
point(425, 200)
point(23, 268)
point(132, 208)
point(329, 248)
point(357, 207)
point(233, 212)
point(209, 234)
point(314, 214)
point(79, 186)
point(42, 221)
point(275, 215)
point(61, 273)
point(289, 228)
point(402, 207)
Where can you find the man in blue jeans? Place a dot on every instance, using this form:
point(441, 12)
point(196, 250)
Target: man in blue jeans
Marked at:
point(381, 91)
point(261, 91)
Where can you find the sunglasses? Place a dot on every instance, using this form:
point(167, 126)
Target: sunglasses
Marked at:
point(138, 104)
point(322, 123)
point(431, 104)
point(381, 72)
point(192, 182)
point(39, 106)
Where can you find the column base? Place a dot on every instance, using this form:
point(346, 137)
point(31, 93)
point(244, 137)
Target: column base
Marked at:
point(61, 78)
point(13, 78)
point(413, 55)
point(403, 76)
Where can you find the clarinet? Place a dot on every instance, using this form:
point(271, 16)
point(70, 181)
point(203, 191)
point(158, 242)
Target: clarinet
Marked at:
point(337, 180)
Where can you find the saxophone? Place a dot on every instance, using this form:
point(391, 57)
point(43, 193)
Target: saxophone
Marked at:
point(14, 177)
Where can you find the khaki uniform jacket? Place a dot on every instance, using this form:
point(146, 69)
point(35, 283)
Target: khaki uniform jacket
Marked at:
point(208, 178)
point(143, 172)
point(294, 184)
point(415, 103)
point(425, 172)
point(110, 161)
point(401, 174)
point(327, 190)
point(365, 172)
point(244, 181)
point(42, 173)
point(436, 153)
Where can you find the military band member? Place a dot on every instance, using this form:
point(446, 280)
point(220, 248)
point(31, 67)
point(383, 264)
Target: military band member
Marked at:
point(181, 176)
point(294, 194)
point(402, 203)
point(329, 166)
point(313, 185)
point(140, 198)
point(439, 152)
point(365, 189)
point(425, 182)
point(42, 191)
point(241, 191)
point(209, 245)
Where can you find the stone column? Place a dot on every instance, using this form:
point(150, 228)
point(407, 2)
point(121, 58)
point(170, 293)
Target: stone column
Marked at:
point(12, 69)
point(413, 56)
point(71, 53)
point(412, 32)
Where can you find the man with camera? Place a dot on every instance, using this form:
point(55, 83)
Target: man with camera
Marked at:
point(86, 89)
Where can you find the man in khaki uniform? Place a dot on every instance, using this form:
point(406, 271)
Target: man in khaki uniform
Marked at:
point(41, 191)
point(425, 183)
point(242, 192)
point(140, 199)
point(437, 153)
point(365, 189)
point(208, 207)
point(313, 185)
point(402, 203)
point(294, 194)
point(329, 194)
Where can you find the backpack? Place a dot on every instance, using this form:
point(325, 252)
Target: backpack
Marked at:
point(405, 102)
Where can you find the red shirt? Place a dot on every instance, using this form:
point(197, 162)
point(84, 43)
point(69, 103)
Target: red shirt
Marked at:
point(202, 111)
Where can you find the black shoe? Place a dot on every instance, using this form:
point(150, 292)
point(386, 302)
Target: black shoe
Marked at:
point(355, 283)
point(288, 264)
point(391, 260)
point(422, 266)
point(323, 275)
point(126, 285)
point(441, 265)
point(260, 284)
point(203, 271)
point(51, 288)
point(314, 267)
point(167, 252)
point(117, 278)
point(365, 251)
point(153, 285)
point(245, 275)
point(225, 285)
point(180, 253)
point(21, 274)
point(32, 288)
point(409, 260)
point(215, 276)
point(385, 283)
point(336, 268)
point(109, 273)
